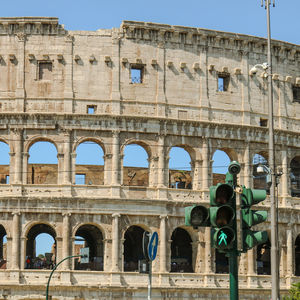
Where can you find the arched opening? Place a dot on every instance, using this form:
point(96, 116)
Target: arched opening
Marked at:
point(40, 247)
point(89, 164)
point(180, 173)
point(260, 179)
point(135, 166)
point(89, 236)
point(263, 258)
point(181, 251)
point(297, 256)
point(295, 176)
point(4, 163)
point(222, 263)
point(133, 248)
point(42, 163)
point(221, 161)
point(3, 248)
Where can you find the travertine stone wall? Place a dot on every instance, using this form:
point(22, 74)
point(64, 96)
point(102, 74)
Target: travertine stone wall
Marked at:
point(50, 76)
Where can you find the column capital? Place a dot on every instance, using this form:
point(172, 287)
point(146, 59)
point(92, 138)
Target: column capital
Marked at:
point(17, 213)
point(116, 133)
point(67, 214)
point(25, 154)
point(116, 215)
point(165, 216)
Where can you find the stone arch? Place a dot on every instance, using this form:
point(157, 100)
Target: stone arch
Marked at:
point(259, 180)
point(45, 171)
point(133, 250)
point(101, 228)
point(39, 138)
point(136, 174)
point(31, 260)
point(181, 251)
point(91, 237)
point(3, 247)
point(90, 168)
point(179, 178)
point(89, 139)
point(295, 176)
point(297, 255)
point(4, 162)
point(263, 258)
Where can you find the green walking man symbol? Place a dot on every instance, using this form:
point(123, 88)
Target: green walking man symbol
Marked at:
point(222, 238)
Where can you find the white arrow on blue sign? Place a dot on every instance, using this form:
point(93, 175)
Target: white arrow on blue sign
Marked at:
point(152, 246)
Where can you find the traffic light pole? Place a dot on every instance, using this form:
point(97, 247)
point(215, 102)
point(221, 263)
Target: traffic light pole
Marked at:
point(233, 255)
point(233, 275)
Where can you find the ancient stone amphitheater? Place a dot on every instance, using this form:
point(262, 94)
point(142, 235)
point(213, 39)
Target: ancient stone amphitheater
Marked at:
point(156, 86)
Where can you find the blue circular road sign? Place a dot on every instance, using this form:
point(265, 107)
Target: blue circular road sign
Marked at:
point(152, 246)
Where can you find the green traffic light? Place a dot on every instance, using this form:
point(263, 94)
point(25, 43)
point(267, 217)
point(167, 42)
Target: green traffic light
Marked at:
point(223, 238)
point(196, 216)
point(222, 215)
point(221, 194)
point(250, 218)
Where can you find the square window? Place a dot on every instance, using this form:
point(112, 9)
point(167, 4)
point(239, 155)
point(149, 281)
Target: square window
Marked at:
point(223, 82)
point(136, 74)
point(91, 109)
point(44, 70)
point(79, 178)
point(263, 122)
point(296, 94)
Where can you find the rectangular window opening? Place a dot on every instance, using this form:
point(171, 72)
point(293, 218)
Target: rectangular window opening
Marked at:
point(223, 82)
point(44, 70)
point(80, 179)
point(136, 74)
point(296, 93)
point(7, 179)
point(91, 109)
point(263, 122)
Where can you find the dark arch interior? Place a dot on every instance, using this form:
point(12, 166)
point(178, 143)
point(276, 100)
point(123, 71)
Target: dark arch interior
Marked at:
point(263, 259)
point(295, 177)
point(181, 251)
point(3, 248)
point(133, 249)
point(91, 238)
point(222, 263)
point(297, 256)
point(32, 261)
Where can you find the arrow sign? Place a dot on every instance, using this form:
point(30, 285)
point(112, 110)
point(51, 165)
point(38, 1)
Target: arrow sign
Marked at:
point(152, 246)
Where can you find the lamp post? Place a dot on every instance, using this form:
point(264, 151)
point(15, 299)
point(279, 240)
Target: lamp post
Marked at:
point(273, 209)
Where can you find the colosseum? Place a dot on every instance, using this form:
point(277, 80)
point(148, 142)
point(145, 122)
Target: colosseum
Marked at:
point(157, 87)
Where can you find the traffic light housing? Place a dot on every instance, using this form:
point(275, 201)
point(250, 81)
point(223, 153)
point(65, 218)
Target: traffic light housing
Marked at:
point(222, 215)
point(197, 216)
point(250, 218)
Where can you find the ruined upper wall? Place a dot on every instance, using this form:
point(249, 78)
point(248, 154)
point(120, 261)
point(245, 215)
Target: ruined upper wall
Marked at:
point(46, 69)
point(30, 25)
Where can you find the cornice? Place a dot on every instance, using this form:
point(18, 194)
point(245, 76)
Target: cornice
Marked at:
point(211, 38)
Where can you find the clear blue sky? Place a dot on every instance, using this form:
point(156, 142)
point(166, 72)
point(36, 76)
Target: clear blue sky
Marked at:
point(241, 16)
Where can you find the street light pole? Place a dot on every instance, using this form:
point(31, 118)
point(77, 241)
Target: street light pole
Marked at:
point(273, 208)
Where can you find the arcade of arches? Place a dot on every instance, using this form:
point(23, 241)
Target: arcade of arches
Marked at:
point(193, 172)
point(181, 254)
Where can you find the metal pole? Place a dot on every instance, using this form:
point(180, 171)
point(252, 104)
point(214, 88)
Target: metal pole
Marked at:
point(233, 265)
point(273, 210)
point(233, 276)
point(149, 280)
point(48, 283)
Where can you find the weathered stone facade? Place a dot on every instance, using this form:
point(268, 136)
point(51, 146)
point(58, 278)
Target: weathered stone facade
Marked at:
point(51, 77)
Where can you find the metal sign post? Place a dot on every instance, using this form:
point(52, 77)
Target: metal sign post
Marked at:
point(150, 244)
